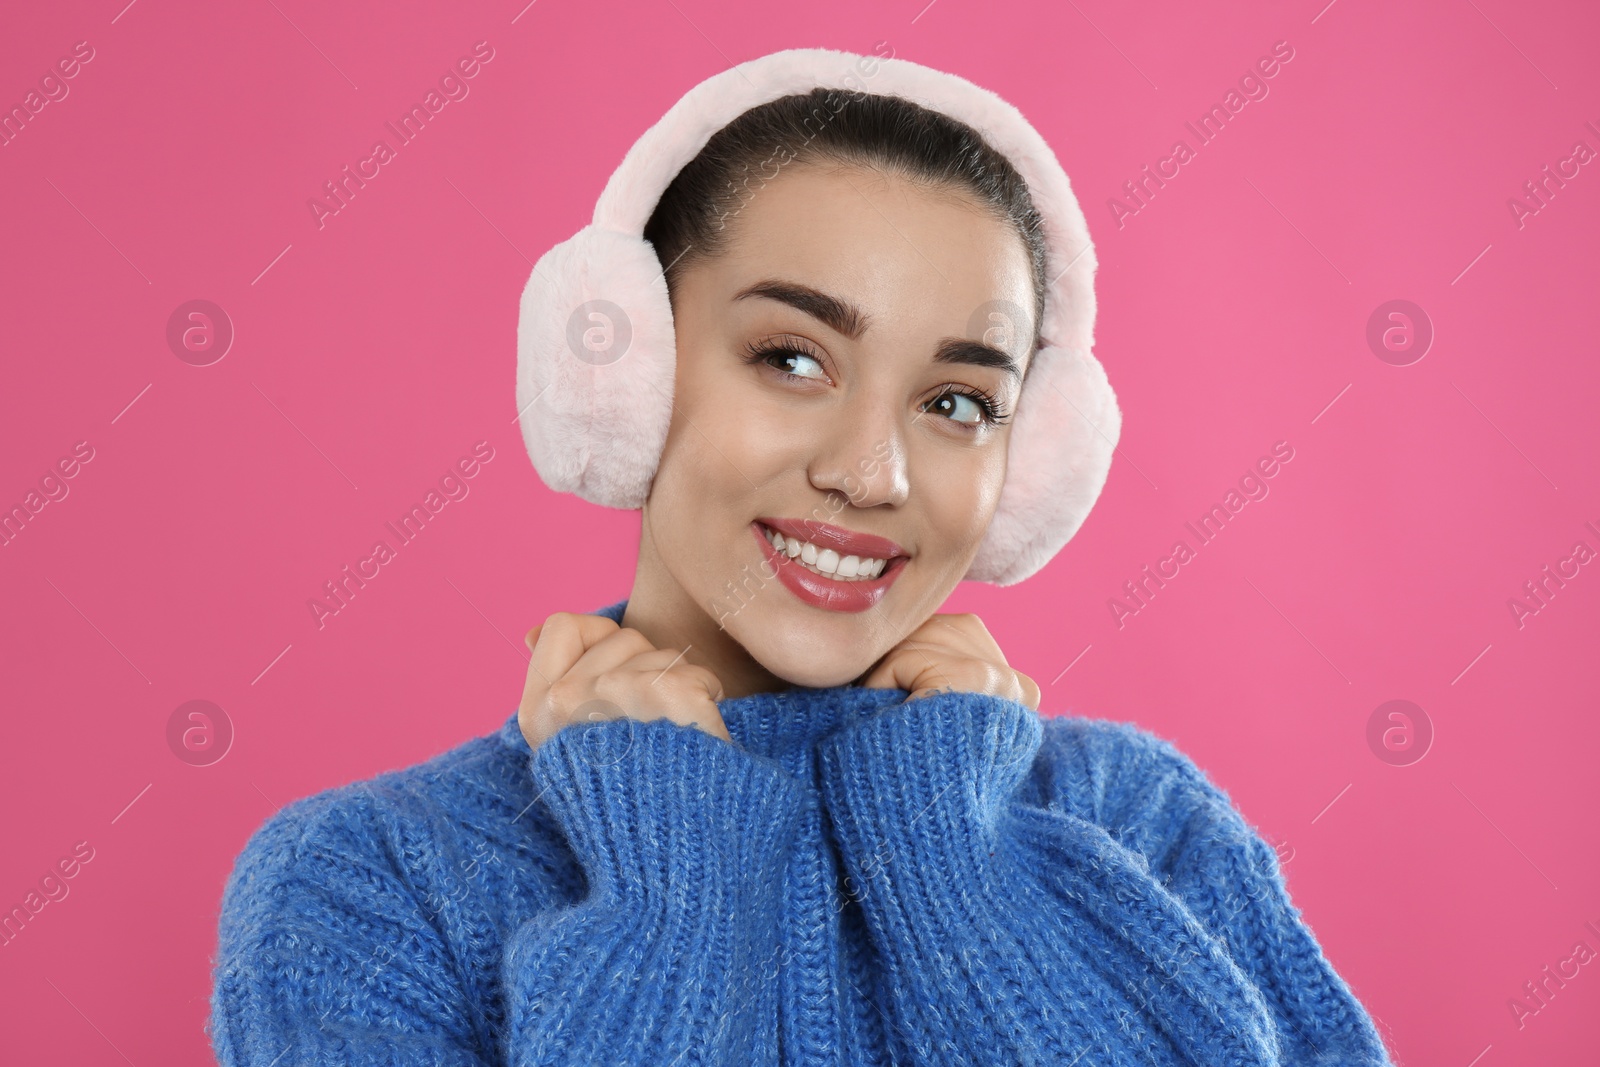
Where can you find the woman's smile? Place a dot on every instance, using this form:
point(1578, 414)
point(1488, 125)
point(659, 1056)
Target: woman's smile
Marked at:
point(829, 567)
point(815, 541)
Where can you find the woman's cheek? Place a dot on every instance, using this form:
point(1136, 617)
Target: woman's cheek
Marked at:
point(968, 506)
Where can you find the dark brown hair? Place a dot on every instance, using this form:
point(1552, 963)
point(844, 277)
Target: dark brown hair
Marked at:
point(885, 132)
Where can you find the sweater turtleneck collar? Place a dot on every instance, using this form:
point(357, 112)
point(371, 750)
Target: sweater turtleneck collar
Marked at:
point(777, 725)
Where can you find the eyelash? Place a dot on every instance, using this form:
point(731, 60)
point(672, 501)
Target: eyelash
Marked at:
point(762, 352)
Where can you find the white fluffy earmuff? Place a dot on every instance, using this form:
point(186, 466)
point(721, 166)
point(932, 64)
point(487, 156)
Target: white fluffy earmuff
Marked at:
point(595, 382)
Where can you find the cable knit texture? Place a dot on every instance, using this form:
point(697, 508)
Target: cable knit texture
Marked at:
point(855, 880)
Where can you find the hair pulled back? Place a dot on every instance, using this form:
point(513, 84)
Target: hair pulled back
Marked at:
point(889, 133)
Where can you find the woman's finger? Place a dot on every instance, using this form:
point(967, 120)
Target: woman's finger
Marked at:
point(610, 652)
point(967, 633)
point(656, 660)
point(705, 688)
point(903, 668)
point(556, 644)
point(668, 667)
point(563, 639)
point(1031, 692)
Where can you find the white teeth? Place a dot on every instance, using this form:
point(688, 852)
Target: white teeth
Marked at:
point(827, 561)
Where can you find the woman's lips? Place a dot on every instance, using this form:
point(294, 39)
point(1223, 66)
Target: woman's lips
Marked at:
point(829, 594)
point(826, 535)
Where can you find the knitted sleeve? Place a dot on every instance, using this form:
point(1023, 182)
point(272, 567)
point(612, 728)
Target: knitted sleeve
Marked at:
point(1201, 848)
point(683, 839)
point(1018, 932)
point(325, 955)
point(328, 956)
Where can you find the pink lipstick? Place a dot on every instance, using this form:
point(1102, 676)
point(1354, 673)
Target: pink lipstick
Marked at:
point(830, 594)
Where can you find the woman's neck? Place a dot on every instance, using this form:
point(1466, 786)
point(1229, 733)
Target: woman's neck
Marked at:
point(660, 609)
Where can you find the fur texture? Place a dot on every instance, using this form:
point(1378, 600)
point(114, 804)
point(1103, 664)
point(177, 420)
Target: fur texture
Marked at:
point(595, 423)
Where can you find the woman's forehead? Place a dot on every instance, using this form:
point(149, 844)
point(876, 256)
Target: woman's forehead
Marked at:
point(898, 252)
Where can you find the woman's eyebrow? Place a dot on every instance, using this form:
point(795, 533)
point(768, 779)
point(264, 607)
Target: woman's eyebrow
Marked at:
point(961, 350)
point(845, 318)
point(838, 315)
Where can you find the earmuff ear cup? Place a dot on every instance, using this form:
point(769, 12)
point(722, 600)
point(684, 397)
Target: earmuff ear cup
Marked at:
point(1064, 432)
point(596, 360)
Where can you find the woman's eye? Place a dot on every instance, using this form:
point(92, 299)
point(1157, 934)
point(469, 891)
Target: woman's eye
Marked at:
point(958, 407)
point(800, 359)
point(783, 357)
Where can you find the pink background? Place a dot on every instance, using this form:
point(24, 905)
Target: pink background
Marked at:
point(375, 351)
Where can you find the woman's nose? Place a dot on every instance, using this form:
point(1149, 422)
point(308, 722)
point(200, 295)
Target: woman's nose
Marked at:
point(863, 457)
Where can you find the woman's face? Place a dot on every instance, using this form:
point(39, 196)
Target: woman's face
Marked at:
point(832, 370)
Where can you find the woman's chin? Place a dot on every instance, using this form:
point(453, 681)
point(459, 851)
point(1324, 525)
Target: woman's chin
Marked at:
point(801, 655)
point(814, 670)
point(814, 676)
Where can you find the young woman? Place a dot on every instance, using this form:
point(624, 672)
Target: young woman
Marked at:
point(773, 808)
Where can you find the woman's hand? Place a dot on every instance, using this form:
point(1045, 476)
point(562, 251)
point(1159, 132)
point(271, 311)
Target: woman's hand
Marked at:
point(586, 668)
point(951, 653)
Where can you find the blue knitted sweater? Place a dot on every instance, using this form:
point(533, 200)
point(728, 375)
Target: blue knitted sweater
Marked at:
point(854, 881)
